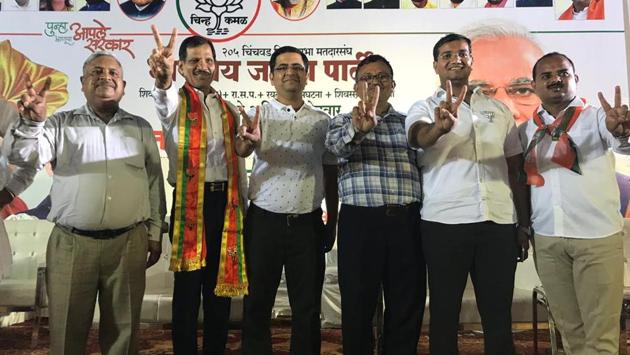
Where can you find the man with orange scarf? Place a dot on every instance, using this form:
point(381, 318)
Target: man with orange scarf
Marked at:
point(209, 183)
point(584, 10)
point(578, 239)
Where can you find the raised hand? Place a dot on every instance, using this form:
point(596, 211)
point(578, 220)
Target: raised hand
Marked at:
point(617, 117)
point(446, 113)
point(32, 104)
point(364, 114)
point(162, 60)
point(250, 129)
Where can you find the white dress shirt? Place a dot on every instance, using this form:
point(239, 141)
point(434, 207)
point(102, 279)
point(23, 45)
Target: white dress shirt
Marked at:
point(465, 174)
point(16, 182)
point(287, 176)
point(167, 105)
point(5, 247)
point(21, 177)
point(106, 175)
point(582, 15)
point(569, 204)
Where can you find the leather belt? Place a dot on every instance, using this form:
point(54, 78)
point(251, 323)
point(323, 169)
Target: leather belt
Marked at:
point(393, 210)
point(290, 218)
point(216, 186)
point(100, 234)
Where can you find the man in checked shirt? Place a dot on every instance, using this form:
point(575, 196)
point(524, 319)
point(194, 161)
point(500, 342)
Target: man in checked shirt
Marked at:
point(379, 237)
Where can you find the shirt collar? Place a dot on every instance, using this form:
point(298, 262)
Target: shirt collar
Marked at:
point(280, 106)
point(390, 111)
point(212, 94)
point(119, 115)
point(577, 102)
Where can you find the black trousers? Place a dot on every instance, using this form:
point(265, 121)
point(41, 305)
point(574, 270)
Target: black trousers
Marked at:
point(381, 247)
point(488, 252)
point(190, 286)
point(274, 240)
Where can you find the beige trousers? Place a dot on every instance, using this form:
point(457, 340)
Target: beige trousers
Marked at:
point(80, 268)
point(583, 280)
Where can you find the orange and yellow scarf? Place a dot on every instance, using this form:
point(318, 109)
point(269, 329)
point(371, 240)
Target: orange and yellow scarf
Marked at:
point(189, 246)
point(565, 152)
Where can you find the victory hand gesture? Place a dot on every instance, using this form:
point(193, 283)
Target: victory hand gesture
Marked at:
point(617, 117)
point(162, 61)
point(446, 113)
point(32, 104)
point(250, 129)
point(364, 114)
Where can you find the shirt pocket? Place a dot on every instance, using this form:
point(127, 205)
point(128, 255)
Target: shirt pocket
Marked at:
point(135, 163)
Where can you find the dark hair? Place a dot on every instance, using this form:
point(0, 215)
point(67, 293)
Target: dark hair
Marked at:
point(287, 49)
point(373, 58)
point(286, 4)
point(49, 7)
point(451, 37)
point(549, 55)
point(193, 42)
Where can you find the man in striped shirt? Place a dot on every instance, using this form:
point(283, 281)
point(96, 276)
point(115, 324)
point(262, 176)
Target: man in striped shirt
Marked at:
point(379, 239)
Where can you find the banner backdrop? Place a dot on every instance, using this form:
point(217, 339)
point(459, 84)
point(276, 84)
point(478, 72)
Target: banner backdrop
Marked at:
point(508, 38)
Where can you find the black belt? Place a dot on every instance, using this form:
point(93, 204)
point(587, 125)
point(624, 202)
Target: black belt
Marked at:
point(100, 234)
point(289, 217)
point(397, 210)
point(216, 186)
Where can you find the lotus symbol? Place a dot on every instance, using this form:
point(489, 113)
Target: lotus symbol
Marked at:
point(218, 8)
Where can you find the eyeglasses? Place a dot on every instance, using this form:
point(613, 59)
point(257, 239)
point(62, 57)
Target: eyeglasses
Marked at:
point(380, 77)
point(447, 56)
point(283, 68)
point(521, 92)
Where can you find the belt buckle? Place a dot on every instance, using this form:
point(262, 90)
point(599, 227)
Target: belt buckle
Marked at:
point(291, 217)
point(216, 186)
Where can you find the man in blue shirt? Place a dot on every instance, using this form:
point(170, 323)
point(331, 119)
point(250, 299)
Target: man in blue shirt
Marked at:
point(379, 242)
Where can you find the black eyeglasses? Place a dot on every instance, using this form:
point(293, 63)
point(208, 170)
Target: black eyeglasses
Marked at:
point(283, 68)
point(380, 77)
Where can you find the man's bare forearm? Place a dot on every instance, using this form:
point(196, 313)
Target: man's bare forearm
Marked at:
point(424, 135)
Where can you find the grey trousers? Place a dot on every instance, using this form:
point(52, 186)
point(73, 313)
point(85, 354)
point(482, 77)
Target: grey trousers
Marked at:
point(78, 269)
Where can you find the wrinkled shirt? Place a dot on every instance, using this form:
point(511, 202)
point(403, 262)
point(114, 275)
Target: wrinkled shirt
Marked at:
point(106, 175)
point(465, 173)
point(577, 205)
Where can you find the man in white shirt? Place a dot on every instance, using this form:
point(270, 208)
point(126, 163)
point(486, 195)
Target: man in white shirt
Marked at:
point(107, 205)
point(210, 183)
point(470, 161)
point(12, 183)
point(578, 244)
point(284, 226)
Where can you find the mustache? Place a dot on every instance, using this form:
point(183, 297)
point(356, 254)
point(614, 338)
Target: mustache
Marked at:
point(292, 77)
point(555, 85)
point(202, 71)
point(105, 82)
